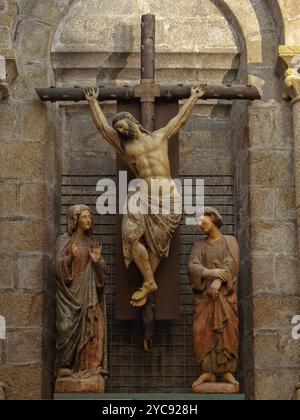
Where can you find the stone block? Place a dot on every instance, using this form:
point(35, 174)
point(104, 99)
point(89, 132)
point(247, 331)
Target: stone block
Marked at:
point(7, 123)
point(35, 47)
point(30, 272)
point(276, 275)
point(84, 137)
point(262, 125)
point(271, 169)
point(262, 203)
point(25, 161)
point(269, 85)
point(206, 162)
point(5, 39)
point(32, 74)
point(23, 383)
point(25, 236)
point(21, 309)
point(275, 311)
point(24, 347)
point(8, 202)
point(286, 275)
point(6, 273)
point(285, 203)
point(292, 37)
point(93, 163)
point(267, 350)
point(276, 385)
point(44, 11)
point(273, 239)
point(289, 349)
point(37, 199)
point(34, 123)
point(263, 275)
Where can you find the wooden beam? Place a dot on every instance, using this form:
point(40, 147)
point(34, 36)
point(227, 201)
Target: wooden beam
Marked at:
point(167, 92)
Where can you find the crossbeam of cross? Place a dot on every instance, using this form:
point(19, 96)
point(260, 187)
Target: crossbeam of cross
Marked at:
point(148, 90)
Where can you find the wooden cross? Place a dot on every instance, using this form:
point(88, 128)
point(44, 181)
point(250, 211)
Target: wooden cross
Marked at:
point(164, 99)
point(147, 90)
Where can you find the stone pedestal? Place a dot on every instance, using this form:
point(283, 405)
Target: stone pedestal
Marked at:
point(216, 388)
point(69, 385)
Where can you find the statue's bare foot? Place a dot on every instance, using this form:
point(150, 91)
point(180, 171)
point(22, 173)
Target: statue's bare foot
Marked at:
point(229, 379)
point(139, 303)
point(204, 378)
point(140, 297)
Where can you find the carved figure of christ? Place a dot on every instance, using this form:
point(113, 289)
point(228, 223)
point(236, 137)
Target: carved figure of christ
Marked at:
point(146, 237)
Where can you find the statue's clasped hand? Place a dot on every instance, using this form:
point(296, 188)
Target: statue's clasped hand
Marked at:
point(213, 293)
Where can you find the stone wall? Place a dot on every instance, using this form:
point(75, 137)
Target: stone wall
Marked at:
point(38, 141)
point(29, 183)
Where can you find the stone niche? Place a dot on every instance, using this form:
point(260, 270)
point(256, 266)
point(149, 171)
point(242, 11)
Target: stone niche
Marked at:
point(99, 41)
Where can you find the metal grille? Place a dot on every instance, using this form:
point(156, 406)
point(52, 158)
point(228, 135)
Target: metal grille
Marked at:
point(171, 366)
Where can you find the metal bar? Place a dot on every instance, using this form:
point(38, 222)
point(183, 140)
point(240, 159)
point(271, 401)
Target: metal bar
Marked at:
point(167, 92)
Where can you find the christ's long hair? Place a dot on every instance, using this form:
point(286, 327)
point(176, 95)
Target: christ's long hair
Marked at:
point(130, 118)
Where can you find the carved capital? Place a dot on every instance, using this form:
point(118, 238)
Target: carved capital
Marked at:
point(292, 83)
point(288, 69)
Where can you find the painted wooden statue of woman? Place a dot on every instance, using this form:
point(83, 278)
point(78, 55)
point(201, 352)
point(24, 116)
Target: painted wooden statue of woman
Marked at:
point(213, 271)
point(80, 307)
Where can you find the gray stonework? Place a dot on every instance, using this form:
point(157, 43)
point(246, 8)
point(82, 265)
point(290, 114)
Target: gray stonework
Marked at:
point(215, 41)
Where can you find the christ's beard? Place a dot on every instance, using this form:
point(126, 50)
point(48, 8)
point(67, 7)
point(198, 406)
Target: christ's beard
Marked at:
point(125, 138)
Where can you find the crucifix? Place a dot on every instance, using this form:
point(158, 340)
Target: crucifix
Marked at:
point(150, 150)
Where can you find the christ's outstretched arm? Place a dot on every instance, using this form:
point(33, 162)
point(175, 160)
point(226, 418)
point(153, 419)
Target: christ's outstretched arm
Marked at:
point(176, 123)
point(110, 135)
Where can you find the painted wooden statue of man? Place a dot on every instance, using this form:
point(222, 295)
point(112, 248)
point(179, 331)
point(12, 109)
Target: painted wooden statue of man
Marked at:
point(147, 236)
point(80, 307)
point(213, 272)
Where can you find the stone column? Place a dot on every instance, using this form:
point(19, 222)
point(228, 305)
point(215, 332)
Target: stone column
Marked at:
point(288, 69)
